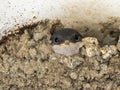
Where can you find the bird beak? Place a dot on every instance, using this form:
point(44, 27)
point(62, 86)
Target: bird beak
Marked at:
point(66, 42)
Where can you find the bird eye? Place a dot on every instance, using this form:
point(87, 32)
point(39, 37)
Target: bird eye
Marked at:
point(56, 40)
point(76, 37)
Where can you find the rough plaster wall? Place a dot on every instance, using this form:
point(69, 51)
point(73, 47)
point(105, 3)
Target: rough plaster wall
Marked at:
point(72, 13)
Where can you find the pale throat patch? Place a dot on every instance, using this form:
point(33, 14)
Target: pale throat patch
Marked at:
point(67, 50)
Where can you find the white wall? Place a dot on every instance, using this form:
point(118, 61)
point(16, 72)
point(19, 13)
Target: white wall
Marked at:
point(73, 13)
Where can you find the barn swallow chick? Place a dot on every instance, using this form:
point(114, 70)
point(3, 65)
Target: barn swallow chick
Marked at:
point(66, 41)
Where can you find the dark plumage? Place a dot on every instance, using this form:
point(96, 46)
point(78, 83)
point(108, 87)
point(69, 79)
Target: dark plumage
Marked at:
point(62, 35)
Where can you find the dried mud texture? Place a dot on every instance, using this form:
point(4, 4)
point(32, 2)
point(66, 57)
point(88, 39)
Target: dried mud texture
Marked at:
point(27, 61)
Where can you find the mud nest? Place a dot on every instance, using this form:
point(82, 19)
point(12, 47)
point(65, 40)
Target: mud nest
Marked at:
point(27, 61)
